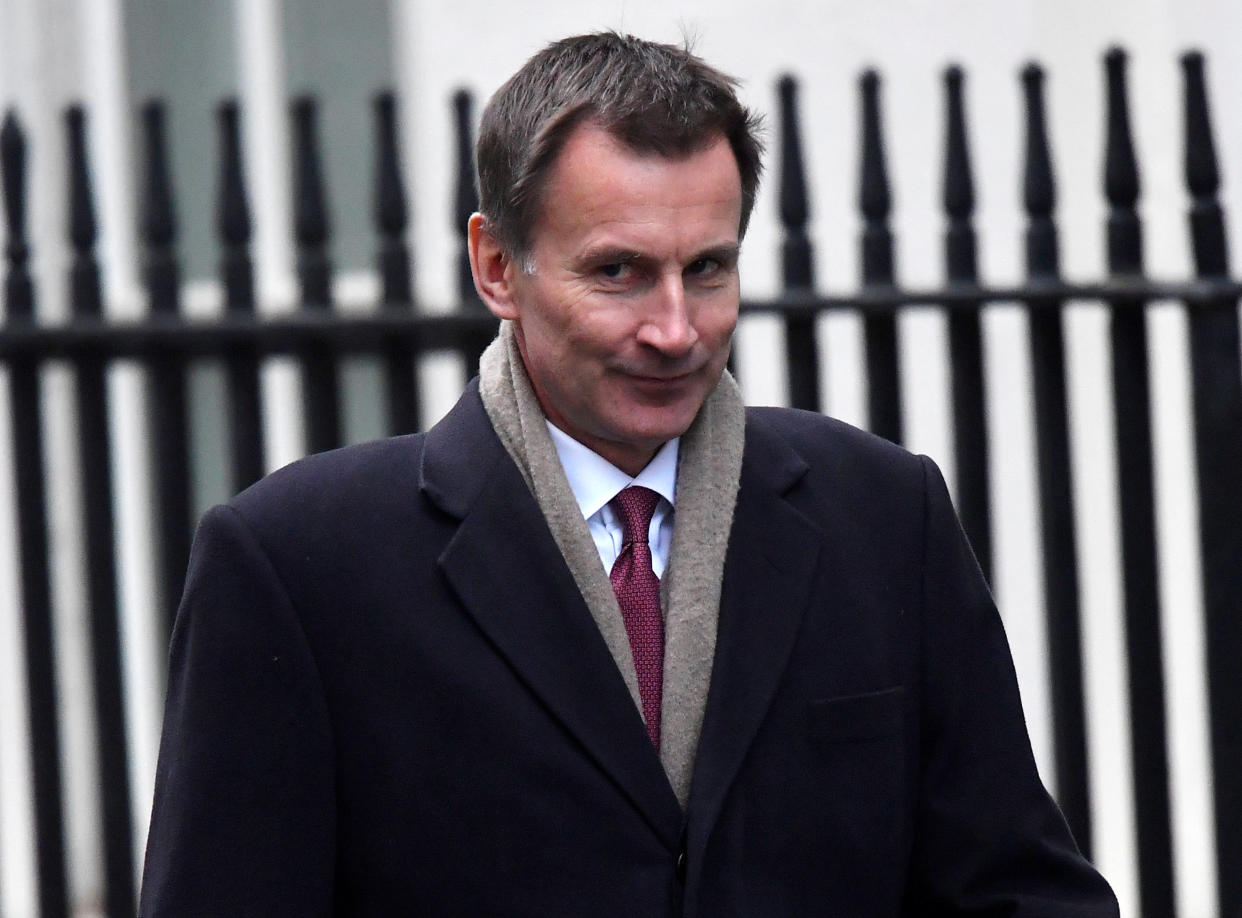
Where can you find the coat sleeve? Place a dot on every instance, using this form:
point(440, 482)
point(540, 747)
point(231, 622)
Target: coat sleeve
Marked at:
point(990, 841)
point(244, 816)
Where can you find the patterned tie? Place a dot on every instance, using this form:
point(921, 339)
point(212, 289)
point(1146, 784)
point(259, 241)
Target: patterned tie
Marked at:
point(638, 593)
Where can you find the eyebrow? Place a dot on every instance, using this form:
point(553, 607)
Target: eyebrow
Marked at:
point(607, 255)
point(725, 254)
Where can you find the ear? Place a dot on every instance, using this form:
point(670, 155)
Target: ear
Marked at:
point(492, 268)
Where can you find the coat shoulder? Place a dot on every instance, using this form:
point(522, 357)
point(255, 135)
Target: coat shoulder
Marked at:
point(338, 485)
point(832, 447)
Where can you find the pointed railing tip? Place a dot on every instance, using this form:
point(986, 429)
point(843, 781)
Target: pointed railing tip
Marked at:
point(302, 105)
point(1122, 185)
point(1202, 172)
point(310, 206)
point(13, 188)
point(1121, 174)
point(388, 202)
point(228, 115)
point(12, 157)
point(233, 209)
point(158, 217)
point(1038, 183)
point(82, 229)
point(152, 113)
point(384, 107)
point(10, 130)
point(787, 96)
point(874, 198)
point(1115, 58)
point(9, 126)
point(466, 198)
point(959, 191)
point(1194, 74)
point(303, 110)
point(794, 206)
point(388, 190)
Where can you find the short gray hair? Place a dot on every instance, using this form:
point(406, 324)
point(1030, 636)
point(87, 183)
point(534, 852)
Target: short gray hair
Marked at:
point(654, 98)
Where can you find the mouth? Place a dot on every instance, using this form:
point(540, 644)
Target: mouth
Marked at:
point(661, 386)
point(662, 390)
point(659, 378)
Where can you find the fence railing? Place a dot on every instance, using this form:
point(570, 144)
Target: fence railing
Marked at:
point(398, 334)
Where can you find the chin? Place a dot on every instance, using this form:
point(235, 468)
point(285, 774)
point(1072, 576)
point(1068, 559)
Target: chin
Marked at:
point(673, 422)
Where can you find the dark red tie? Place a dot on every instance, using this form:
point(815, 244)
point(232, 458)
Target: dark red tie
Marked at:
point(638, 593)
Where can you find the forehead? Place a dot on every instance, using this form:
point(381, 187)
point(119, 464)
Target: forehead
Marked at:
point(599, 186)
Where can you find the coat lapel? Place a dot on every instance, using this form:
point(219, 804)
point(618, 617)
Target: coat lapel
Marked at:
point(508, 573)
point(771, 561)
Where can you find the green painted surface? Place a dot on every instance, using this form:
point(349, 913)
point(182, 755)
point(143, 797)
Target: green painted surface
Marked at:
point(182, 51)
point(340, 54)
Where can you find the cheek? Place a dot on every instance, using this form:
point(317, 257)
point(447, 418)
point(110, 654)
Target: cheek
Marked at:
point(549, 338)
point(598, 333)
point(715, 325)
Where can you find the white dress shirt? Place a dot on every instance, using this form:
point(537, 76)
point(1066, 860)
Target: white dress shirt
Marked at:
point(595, 481)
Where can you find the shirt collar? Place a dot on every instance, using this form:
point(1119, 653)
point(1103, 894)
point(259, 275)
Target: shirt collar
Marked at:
point(595, 481)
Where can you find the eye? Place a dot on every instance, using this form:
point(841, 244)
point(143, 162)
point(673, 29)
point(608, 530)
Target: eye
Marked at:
point(704, 267)
point(618, 270)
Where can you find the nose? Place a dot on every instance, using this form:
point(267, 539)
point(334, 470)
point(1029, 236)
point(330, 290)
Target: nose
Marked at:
point(667, 326)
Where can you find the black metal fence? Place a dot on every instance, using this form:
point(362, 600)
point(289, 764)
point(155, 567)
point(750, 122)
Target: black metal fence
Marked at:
point(398, 333)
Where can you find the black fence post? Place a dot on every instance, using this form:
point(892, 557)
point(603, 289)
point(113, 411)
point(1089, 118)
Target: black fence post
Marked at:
point(1056, 495)
point(466, 196)
point(797, 258)
point(393, 262)
point(166, 370)
point(1136, 483)
point(1217, 386)
point(970, 431)
point(320, 390)
point(241, 363)
point(465, 203)
point(25, 398)
point(879, 327)
point(95, 451)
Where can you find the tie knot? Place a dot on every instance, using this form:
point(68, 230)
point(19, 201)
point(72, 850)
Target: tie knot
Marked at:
point(634, 506)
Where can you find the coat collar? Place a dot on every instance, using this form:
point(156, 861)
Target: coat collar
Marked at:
point(773, 554)
point(508, 573)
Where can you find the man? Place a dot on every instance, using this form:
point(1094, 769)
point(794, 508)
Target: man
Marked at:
point(602, 642)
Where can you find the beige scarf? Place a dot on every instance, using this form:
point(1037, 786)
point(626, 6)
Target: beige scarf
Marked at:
point(708, 467)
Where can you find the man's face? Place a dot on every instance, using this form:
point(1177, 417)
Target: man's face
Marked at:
point(625, 322)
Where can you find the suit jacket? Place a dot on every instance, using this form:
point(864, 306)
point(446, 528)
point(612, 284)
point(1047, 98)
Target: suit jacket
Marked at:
point(387, 697)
